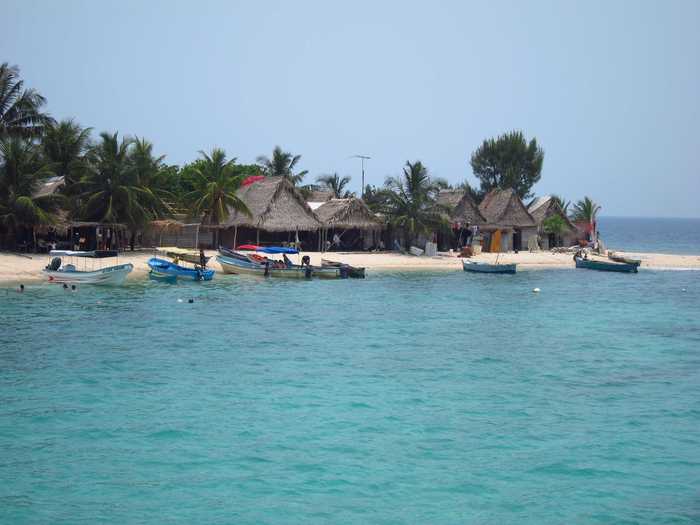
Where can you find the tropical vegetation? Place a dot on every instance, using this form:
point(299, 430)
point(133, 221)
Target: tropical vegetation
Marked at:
point(123, 180)
point(335, 184)
point(586, 210)
point(508, 161)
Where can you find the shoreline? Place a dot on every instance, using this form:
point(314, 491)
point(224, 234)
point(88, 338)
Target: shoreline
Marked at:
point(26, 268)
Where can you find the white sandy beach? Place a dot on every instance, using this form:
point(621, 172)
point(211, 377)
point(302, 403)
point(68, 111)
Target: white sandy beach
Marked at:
point(16, 268)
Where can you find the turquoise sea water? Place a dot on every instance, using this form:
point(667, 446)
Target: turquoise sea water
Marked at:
point(651, 234)
point(404, 398)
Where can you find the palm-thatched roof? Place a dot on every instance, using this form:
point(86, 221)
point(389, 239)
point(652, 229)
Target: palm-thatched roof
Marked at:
point(467, 212)
point(544, 207)
point(276, 206)
point(350, 213)
point(319, 195)
point(449, 198)
point(503, 208)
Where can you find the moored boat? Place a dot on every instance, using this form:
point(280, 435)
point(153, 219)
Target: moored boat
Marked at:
point(161, 267)
point(237, 263)
point(622, 259)
point(58, 272)
point(354, 272)
point(481, 267)
point(604, 265)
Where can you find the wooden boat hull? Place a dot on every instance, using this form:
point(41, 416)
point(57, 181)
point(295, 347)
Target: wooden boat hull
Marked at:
point(605, 266)
point(478, 267)
point(626, 260)
point(238, 266)
point(162, 277)
point(354, 272)
point(109, 276)
point(162, 266)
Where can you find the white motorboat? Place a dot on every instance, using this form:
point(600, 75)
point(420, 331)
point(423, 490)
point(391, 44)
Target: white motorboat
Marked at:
point(81, 268)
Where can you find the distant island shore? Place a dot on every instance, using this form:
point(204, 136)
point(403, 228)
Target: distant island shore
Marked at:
point(21, 268)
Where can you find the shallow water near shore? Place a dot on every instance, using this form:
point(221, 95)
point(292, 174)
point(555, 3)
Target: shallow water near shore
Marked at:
point(406, 397)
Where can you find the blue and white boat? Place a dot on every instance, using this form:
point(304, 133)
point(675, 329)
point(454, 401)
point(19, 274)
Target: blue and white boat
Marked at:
point(161, 268)
point(481, 267)
point(75, 273)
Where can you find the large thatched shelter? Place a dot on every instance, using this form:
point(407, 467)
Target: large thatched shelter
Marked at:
point(277, 208)
point(356, 226)
point(541, 209)
point(508, 218)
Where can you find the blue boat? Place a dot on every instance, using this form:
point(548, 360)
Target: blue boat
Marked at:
point(163, 267)
point(605, 266)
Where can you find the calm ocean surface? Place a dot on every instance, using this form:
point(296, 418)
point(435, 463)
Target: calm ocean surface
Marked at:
point(652, 235)
point(404, 398)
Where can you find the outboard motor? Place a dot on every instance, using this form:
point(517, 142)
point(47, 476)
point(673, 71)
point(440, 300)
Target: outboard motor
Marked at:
point(55, 264)
point(305, 260)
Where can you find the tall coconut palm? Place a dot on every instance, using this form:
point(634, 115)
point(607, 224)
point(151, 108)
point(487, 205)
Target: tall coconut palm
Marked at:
point(586, 210)
point(151, 174)
point(335, 184)
point(281, 164)
point(411, 201)
point(216, 184)
point(110, 191)
point(64, 144)
point(20, 108)
point(22, 170)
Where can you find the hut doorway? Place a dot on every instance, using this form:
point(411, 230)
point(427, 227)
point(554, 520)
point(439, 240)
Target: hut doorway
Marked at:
point(517, 240)
point(551, 240)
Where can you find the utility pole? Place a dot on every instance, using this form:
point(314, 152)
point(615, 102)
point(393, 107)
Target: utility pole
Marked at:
point(362, 159)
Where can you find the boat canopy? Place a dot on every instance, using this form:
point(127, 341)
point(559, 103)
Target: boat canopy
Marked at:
point(95, 254)
point(268, 249)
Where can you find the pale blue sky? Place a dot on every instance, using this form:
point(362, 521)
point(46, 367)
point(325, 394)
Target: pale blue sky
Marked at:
point(611, 89)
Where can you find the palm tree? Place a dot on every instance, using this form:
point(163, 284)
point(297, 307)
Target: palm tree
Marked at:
point(151, 174)
point(281, 164)
point(65, 144)
point(110, 191)
point(216, 183)
point(20, 108)
point(22, 170)
point(586, 210)
point(563, 205)
point(335, 184)
point(411, 201)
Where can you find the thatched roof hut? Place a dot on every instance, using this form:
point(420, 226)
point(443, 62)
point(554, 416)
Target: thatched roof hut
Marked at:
point(276, 206)
point(544, 207)
point(467, 212)
point(348, 214)
point(449, 199)
point(503, 208)
point(50, 186)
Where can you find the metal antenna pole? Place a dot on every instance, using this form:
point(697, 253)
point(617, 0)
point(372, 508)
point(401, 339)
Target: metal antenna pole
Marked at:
point(362, 159)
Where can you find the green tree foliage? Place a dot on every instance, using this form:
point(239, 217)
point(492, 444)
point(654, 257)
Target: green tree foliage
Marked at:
point(586, 210)
point(410, 201)
point(216, 181)
point(335, 184)
point(281, 164)
point(508, 161)
point(110, 189)
point(555, 224)
point(20, 108)
point(64, 145)
point(22, 170)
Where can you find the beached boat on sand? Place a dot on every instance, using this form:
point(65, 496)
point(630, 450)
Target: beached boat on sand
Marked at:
point(235, 262)
point(354, 272)
point(161, 268)
point(603, 265)
point(622, 259)
point(58, 272)
point(481, 267)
